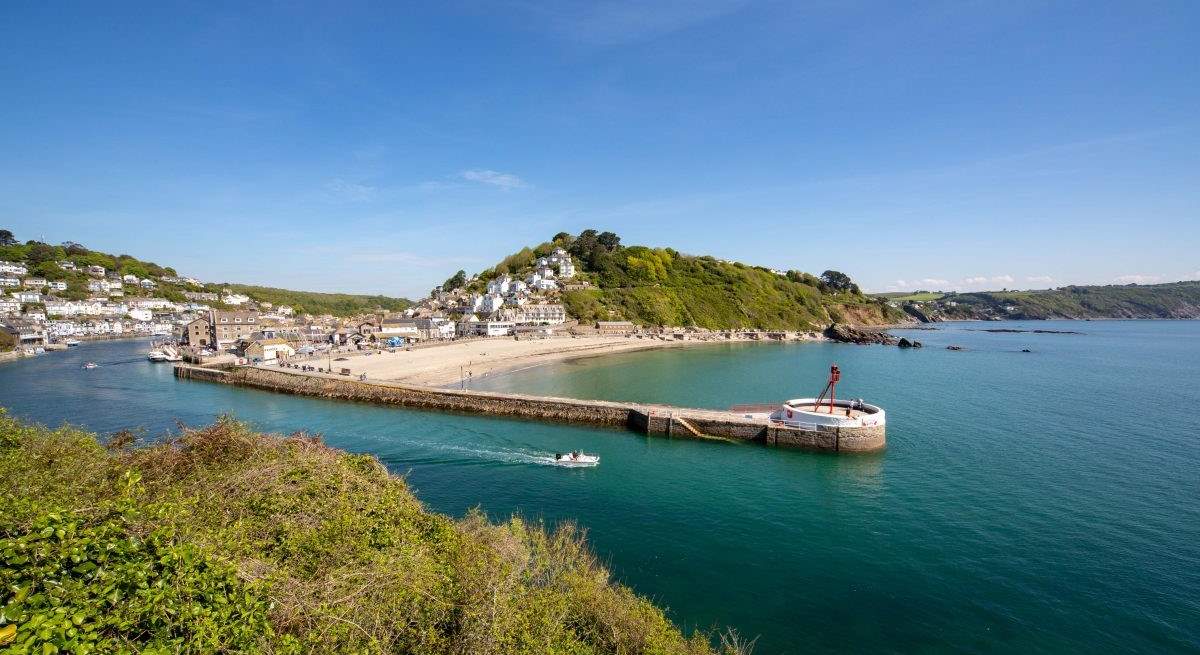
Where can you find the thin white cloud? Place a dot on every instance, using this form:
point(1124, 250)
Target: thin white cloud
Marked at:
point(972, 281)
point(1039, 279)
point(506, 181)
point(1002, 279)
point(339, 189)
point(1137, 278)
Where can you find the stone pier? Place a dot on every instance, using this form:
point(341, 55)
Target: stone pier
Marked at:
point(644, 418)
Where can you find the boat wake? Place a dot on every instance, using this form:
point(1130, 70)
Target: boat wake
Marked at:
point(463, 454)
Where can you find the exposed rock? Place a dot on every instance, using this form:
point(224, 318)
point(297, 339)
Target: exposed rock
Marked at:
point(1026, 350)
point(848, 334)
point(905, 343)
point(916, 312)
point(955, 348)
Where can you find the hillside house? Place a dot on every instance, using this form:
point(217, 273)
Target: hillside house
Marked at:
point(13, 269)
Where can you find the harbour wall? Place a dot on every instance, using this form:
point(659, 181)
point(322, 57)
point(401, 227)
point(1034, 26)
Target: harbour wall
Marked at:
point(643, 418)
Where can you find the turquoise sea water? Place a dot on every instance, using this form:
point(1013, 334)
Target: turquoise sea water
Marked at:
point(1027, 502)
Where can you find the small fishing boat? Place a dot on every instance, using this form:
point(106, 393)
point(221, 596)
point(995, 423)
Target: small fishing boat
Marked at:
point(91, 365)
point(71, 342)
point(576, 458)
point(156, 356)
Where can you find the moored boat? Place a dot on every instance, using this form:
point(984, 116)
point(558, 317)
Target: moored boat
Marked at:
point(88, 365)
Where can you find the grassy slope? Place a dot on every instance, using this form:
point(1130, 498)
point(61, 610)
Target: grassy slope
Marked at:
point(1175, 300)
point(664, 287)
point(228, 540)
point(338, 304)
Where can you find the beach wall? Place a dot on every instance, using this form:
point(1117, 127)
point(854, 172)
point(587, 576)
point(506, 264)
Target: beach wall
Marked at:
point(646, 419)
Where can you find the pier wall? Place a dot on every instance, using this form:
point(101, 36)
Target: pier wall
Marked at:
point(646, 419)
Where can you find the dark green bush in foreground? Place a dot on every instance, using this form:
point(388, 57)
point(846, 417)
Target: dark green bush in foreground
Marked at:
point(225, 540)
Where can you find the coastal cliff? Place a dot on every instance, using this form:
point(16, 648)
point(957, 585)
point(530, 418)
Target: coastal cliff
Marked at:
point(1175, 300)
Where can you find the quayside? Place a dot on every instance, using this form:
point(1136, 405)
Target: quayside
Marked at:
point(650, 419)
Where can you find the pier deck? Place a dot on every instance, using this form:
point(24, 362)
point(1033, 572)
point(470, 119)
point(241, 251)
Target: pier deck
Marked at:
point(644, 418)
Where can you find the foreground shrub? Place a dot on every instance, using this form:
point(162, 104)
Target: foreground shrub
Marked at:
point(225, 540)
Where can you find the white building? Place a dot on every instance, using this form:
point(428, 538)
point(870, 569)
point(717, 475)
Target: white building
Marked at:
point(35, 282)
point(435, 328)
point(9, 282)
point(138, 314)
point(13, 269)
point(66, 265)
point(566, 269)
point(96, 271)
point(103, 286)
point(499, 285)
point(151, 303)
point(27, 296)
point(235, 299)
point(546, 314)
point(399, 327)
point(491, 303)
point(545, 284)
point(129, 279)
point(491, 328)
point(9, 306)
point(58, 285)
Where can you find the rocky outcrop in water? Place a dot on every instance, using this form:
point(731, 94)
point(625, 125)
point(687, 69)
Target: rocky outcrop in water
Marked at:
point(848, 334)
point(905, 343)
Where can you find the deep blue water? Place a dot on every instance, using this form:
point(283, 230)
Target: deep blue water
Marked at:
point(1027, 502)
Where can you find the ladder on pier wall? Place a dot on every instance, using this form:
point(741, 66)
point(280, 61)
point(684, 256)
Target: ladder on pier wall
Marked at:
point(691, 429)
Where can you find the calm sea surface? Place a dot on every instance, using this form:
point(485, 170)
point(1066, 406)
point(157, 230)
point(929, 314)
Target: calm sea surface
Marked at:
point(1027, 502)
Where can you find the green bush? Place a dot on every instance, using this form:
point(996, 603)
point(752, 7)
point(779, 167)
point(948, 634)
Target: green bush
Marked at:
point(226, 540)
point(81, 584)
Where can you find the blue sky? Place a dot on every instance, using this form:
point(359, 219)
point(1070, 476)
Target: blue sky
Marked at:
point(380, 147)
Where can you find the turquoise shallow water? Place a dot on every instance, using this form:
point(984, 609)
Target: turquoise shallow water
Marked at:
point(1027, 502)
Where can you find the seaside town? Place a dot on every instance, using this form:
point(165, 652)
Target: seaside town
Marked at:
point(214, 326)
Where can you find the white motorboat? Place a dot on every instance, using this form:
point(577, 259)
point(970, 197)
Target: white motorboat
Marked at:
point(71, 342)
point(91, 365)
point(576, 458)
point(156, 356)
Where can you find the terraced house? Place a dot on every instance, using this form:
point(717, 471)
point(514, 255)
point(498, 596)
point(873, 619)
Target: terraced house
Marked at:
point(220, 329)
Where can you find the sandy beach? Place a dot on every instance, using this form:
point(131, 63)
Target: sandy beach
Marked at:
point(443, 365)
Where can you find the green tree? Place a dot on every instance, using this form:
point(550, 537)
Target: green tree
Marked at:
point(609, 240)
point(49, 270)
point(40, 252)
point(837, 281)
point(455, 281)
point(7, 238)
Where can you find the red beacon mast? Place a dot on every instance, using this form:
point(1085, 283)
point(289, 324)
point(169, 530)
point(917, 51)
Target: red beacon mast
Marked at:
point(835, 375)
